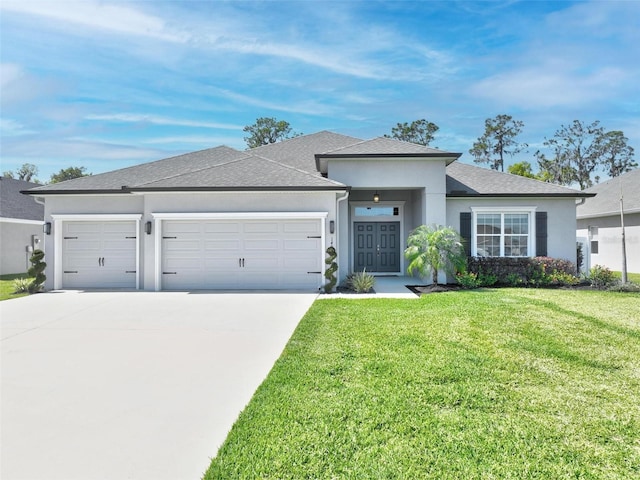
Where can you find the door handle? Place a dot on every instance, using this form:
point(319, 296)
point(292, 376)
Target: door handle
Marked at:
point(378, 249)
point(243, 263)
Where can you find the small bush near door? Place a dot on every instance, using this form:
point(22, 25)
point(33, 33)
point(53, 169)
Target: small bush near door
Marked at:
point(362, 282)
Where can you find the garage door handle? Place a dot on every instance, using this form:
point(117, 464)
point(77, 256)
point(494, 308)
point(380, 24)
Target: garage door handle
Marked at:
point(129, 271)
point(164, 238)
point(70, 271)
point(314, 272)
point(243, 263)
point(70, 238)
point(314, 236)
point(169, 273)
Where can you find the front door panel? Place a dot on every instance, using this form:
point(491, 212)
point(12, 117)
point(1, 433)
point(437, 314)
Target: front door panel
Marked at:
point(377, 246)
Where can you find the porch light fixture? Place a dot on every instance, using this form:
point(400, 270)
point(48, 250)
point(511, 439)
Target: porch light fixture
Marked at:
point(332, 226)
point(46, 228)
point(376, 197)
point(147, 228)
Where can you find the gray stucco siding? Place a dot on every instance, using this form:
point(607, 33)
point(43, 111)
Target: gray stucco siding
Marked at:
point(561, 219)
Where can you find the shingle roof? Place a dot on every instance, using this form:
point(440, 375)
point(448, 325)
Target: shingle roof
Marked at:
point(299, 152)
point(147, 172)
point(607, 199)
point(247, 172)
point(385, 146)
point(469, 180)
point(14, 204)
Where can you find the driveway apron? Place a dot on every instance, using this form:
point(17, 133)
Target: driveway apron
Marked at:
point(132, 385)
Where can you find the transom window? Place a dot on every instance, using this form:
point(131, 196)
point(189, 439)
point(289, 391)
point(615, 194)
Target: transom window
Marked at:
point(502, 233)
point(377, 211)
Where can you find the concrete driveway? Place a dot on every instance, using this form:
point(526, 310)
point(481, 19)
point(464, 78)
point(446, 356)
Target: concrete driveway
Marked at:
point(132, 385)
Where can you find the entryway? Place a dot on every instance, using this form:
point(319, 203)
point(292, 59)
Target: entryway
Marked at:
point(377, 247)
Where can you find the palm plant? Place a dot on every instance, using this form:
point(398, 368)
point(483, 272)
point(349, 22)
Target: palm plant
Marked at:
point(433, 249)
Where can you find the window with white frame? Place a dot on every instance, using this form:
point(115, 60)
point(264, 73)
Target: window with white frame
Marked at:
point(503, 232)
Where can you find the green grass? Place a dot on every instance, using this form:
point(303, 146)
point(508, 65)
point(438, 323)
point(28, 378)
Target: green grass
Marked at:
point(504, 383)
point(632, 277)
point(6, 286)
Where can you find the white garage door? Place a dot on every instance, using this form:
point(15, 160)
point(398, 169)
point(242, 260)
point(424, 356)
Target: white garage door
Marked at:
point(99, 254)
point(241, 254)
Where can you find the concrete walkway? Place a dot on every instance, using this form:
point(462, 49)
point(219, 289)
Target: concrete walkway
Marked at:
point(385, 287)
point(132, 385)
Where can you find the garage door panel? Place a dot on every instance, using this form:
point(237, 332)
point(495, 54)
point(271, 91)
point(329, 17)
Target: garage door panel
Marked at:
point(222, 227)
point(102, 254)
point(260, 227)
point(232, 254)
point(262, 245)
point(80, 246)
point(306, 245)
point(231, 245)
point(308, 227)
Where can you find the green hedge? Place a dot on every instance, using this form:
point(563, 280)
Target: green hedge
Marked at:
point(523, 270)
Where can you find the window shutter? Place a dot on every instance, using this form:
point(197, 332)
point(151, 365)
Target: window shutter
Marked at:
point(465, 231)
point(541, 234)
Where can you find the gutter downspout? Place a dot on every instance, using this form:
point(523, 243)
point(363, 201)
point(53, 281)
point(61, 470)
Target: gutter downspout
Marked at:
point(341, 199)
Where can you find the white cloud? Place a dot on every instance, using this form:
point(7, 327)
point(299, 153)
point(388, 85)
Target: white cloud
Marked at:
point(90, 14)
point(11, 128)
point(159, 120)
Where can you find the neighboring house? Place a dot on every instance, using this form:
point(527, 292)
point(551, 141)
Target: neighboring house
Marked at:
point(599, 222)
point(20, 225)
point(263, 218)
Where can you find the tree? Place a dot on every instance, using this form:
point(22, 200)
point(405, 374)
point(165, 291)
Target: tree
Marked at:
point(266, 131)
point(617, 155)
point(26, 172)
point(498, 139)
point(68, 174)
point(578, 149)
point(521, 168)
point(434, 248)
point(419, 131)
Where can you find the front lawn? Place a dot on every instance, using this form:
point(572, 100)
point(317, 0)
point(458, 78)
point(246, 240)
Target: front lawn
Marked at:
point(504, 383)
point(6, 286)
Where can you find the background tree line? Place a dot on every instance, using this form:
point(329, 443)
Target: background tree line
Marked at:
point(577, 151)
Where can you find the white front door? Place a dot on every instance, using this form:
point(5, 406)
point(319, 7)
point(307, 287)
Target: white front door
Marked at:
point(99, 254)
point(241, 254)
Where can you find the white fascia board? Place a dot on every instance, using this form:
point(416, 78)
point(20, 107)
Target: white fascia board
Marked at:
point(238, 215)
point(21, 220)
point(96, 216)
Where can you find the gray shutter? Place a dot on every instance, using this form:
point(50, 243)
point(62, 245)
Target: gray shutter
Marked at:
point(541, 234)
point(465, 231)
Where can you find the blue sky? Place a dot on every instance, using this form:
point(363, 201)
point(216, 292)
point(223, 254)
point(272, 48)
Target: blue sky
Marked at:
point(105, 84)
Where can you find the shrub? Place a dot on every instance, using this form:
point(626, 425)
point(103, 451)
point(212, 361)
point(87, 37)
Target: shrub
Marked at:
point(468, 280)
point(624, 287)
point(330, 272)
point(601, 277)
point(21, 285)
point(522, 271)
point(487, 279)
point(362, 282)
point(37, 271)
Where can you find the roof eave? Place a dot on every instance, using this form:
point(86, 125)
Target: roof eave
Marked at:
point(322, 166)
point(133, 190)
point(505, 195)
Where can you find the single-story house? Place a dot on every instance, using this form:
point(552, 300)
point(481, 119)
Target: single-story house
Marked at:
point(21, 219)
point(600, 226)
point(264, 218)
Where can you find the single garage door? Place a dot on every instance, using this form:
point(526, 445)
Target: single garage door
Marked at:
point(241, 254)
point(100, 254)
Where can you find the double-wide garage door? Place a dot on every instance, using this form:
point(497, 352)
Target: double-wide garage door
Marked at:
point(241, 254)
